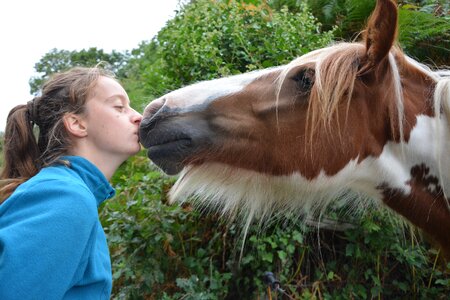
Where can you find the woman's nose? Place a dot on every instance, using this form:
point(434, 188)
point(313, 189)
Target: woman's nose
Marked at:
point(136, 117)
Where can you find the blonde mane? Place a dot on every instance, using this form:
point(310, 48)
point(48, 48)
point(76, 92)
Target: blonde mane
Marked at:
point(441, 108)
point(441, 100)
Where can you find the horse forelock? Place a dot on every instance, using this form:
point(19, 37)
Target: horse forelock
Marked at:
point(336, 69)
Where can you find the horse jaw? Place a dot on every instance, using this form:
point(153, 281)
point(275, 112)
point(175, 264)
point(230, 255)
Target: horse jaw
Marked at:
point(249, 194)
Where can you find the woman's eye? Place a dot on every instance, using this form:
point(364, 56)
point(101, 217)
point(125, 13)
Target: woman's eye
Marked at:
point(119, 107)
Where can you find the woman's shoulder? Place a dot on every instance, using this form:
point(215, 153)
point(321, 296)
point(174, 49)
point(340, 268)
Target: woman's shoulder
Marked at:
point(59, 178)
point(55, 189)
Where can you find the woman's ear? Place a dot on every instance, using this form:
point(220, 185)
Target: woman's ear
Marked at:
point(75, 125)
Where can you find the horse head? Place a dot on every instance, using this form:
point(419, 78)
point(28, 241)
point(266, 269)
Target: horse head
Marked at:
point(357, 117)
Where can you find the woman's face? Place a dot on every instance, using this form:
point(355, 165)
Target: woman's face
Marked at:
point(112, 125)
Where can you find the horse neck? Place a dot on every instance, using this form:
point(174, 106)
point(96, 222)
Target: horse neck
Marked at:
point(421, 173)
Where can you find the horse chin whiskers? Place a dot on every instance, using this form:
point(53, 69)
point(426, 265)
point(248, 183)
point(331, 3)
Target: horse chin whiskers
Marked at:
point(247, 195)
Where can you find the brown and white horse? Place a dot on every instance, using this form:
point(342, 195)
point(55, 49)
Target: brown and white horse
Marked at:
point(352, 118)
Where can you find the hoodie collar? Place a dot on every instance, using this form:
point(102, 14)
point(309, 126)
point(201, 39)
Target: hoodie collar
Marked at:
point(92, 176)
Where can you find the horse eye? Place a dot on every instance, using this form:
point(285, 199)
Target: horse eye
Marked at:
point(304, 79)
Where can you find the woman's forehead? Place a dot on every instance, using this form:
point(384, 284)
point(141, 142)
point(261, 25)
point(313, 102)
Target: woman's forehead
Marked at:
point(108, 88)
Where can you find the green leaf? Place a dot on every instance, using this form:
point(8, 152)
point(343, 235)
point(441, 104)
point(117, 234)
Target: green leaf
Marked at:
point(267, 256)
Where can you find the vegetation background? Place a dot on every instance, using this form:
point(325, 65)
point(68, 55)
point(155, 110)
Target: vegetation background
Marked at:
point(167, 251)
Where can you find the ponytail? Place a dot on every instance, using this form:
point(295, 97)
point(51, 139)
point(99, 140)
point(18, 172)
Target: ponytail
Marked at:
point(21, 152)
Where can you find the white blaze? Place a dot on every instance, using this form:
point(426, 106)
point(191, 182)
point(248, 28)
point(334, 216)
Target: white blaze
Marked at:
point(204, 92)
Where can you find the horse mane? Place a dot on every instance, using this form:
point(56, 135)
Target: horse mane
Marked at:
point(441, 107)
point(336, 70)
point(441, 101)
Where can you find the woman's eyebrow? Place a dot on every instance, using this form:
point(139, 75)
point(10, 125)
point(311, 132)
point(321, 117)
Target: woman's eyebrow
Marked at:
point(121, 97)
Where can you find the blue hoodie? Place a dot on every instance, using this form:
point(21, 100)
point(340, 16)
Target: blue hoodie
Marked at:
point(52, 245)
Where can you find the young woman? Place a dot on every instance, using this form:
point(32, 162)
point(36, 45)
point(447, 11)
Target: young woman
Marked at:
point(52, 245)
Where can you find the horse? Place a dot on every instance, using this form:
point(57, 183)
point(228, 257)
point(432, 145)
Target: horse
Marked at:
point(354, 118)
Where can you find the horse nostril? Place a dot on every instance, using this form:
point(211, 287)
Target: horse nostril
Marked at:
point(154, 107)
point(151, 113)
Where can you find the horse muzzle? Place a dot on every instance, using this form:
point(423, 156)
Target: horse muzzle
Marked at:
point(172, 137)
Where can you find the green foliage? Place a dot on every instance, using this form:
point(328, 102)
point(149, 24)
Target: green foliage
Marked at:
point(424, 25)
point(61, 60)
point(425, 36)
point(348, 15)
point(158, 249)
point(144, 76)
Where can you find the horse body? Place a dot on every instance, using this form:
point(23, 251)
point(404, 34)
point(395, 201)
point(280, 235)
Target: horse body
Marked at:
point(352, 119)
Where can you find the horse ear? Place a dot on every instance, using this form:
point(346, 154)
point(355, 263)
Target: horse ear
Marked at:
point(380, 34)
